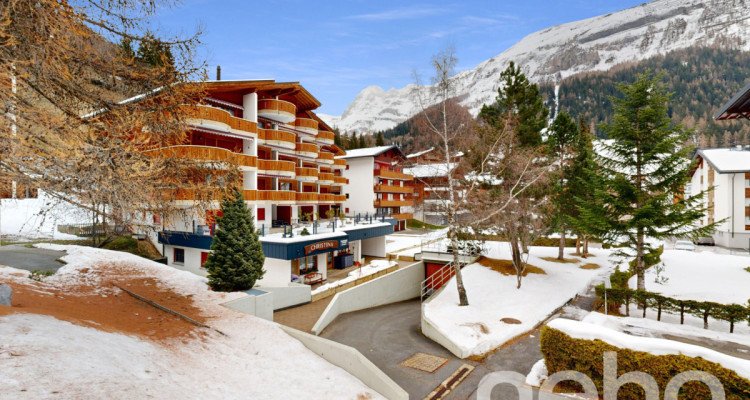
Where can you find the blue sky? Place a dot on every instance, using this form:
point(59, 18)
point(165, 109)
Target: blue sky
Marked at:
point(337, 48)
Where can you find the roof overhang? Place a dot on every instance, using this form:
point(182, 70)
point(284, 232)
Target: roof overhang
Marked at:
point(737, 108)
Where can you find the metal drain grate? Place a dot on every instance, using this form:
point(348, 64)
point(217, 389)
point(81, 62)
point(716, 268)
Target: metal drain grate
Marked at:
point(424, 362)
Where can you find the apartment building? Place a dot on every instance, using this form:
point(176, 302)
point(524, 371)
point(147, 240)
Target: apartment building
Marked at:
point(377, 184)
point(728, 172)
point(290, 176)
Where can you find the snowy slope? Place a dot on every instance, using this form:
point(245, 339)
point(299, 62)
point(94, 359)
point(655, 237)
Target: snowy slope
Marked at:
point(594, 44)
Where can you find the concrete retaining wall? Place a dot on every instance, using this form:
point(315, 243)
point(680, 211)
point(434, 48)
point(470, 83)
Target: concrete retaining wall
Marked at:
point(399, 285)
point(349, 285)
point(431, 331)
point(351, 361)
point(287, 296)
point(259, 304)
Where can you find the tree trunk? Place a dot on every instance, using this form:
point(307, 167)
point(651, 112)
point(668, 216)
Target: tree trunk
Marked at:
point(586, 247)
point(640, 266)
point(578, 245)
point(561, 252)
point(463, 300)
point(517, 260)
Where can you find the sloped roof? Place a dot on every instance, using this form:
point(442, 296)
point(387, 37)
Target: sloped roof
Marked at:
point(726, 160)
point(429, 170)
point(369, 151)
point(737, 107)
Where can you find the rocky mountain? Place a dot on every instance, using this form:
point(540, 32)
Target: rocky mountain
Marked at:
point(548, 56)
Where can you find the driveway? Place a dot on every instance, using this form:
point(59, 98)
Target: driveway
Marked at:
point(31, 258)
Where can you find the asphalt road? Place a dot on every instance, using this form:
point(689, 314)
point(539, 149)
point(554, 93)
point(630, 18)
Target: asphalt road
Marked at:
point(19, 256)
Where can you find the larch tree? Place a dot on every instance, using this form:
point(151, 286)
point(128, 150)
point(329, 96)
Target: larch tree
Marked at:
point(67, 126)
point(645, 166)
point(236, 259)
point(561, 139)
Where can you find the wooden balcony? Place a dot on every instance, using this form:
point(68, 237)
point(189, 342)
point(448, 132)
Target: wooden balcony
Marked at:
point(339, 198)
point(306, 174)
point(306, 150)
point(340, 180)
point(325, 137)
point(277, 110)
point(393, 203)
point(286, 168)
point(394, 189)
point(218, 115)
point(307, 197)
point(205, 154)
point(250, 195)
point(339, 164)
point(325, 178)
point(306, 125)
point(384, 173)
point(275, 137)
point(276, 195)
point(326, 158)
point(403, 216)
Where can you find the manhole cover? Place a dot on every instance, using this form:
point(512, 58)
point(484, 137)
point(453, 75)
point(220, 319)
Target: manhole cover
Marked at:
point(424, 362)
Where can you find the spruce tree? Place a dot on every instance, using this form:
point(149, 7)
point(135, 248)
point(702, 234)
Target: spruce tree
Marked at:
point(645, 167)
point(585, 182)
point(519, 98)
point(563, 134)
point(379, 141)
point(236, 260)
point(362, 141)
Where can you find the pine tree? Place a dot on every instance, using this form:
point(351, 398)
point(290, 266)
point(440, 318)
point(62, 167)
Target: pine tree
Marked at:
point(362, 141)
point(236, 260)
point(644, 165)
point(563, 134)
point(379, 141)
point(337, 138)
point(154, 52)
point(519, 98)
point(585, 183)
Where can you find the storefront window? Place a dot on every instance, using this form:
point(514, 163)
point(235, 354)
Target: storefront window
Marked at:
point(308, 264)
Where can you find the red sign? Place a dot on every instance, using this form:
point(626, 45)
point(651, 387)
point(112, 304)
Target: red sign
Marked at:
point(324, 245)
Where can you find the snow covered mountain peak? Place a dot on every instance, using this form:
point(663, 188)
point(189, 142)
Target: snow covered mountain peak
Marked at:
point(549, 55)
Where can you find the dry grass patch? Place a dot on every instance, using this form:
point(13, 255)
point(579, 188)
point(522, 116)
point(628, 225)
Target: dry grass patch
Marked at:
point(590, 266)
point(505, 267)
point(563, 261)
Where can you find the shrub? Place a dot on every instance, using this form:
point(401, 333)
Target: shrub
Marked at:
point(563, 353)
point(38, 275)
point(553, 242)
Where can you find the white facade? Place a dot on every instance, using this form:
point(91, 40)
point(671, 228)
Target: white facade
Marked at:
point(725, 170)
point(360, 191)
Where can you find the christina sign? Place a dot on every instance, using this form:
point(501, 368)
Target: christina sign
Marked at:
point(324, 245)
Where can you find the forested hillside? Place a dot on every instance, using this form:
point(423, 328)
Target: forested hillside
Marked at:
point(701, 79)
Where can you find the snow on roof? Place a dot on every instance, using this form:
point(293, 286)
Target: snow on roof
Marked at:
point(420, 153)
point(727, 160)
point(367, 152)
point(429, 170)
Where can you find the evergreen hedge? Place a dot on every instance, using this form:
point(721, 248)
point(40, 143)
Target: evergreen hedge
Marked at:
point(732, 313)
point(563, 353)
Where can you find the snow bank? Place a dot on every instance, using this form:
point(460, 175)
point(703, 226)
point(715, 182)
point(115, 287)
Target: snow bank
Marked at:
point(256, 359)
point(657, 347)
point(701, 276)
point(538, 374)
point(478, 328)
point(38, 218)
point(369, 269)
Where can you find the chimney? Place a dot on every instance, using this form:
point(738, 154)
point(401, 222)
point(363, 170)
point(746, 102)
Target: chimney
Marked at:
point(218, 72)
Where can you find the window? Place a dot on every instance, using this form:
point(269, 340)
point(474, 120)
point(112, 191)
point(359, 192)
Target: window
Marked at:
point(261, 214)
point(285, 186)
point(308, 264)
point(179, 256)
point(346, 210)
point(347, 195)
point(347, 167)
point(157, 219)
point(204, 258)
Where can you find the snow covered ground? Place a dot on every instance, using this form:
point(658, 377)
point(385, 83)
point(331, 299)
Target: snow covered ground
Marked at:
point(38, 218)
point(409, 244)
point(702, 276)
point(41, 356)
point(493, 296)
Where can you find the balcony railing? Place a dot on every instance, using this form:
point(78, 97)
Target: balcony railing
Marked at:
point(393, 203)
point(325, 137)
point(277, 110)
point(403, 216)
point(393, 189)
point(205, 153)
point(219, 115)
point(339, 198)
point(340, 180)
point(307, 173)
point(276, 195)
point(325, 157)
point(277, 138)
point(308, 197)
point(306, 125)
point(339, 164)
point(307, 149)
point(250, 195)
point(273, 165)
point(325, 177)
point(393, 175)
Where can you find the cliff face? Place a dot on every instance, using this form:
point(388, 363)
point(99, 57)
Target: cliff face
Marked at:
point(594, 44)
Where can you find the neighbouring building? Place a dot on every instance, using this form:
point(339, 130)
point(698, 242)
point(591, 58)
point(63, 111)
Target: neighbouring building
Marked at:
point(430, 172)
point(289, 172)
point(377, 184)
